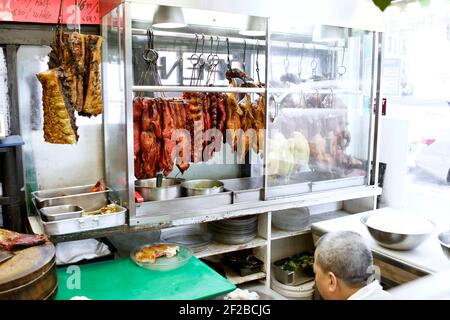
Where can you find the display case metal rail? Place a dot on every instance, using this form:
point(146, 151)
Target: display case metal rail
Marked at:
point(316, 77)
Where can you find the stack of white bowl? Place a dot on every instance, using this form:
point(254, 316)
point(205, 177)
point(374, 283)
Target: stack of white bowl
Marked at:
point(304, 291)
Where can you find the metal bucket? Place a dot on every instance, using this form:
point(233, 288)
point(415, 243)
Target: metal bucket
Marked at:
point(201, 187)
point(170, 189)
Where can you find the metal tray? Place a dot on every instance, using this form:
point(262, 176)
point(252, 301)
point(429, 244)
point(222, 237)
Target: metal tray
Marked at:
point(338, 183)
point(245, 189)
point(74, 225)
point(78, 195)
point(67, 211)
point(180, 205)
point(275, 192)
point(291, 278)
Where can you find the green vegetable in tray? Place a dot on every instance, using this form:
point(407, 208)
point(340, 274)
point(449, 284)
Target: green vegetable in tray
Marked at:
point(302, 261)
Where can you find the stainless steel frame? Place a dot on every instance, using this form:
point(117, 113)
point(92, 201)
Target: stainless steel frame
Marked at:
point(124, 190)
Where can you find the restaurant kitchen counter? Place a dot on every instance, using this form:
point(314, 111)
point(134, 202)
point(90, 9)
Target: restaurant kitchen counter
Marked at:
point(122, 279)
point(397, 267)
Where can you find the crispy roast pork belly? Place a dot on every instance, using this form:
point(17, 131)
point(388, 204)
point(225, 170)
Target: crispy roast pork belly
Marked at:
point(59, 115)
point(74, 67)
point(93, 104)
point(68, 52)
point(10, 240)
point(150, 254)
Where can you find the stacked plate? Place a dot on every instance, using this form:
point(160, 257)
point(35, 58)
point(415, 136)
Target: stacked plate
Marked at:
point(292, 219)
point(304, 291)
point(195, 237)
point(234, 231)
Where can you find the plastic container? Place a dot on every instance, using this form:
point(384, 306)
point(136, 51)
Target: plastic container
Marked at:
point(164, 263)
point(243, 264)
point(301, 292)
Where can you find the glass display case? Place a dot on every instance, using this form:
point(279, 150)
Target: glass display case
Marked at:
point(321, 94)
point(231, 108)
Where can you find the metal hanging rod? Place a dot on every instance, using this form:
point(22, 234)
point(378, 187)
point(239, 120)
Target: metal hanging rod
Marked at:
point(262, 42)
point(197, 89)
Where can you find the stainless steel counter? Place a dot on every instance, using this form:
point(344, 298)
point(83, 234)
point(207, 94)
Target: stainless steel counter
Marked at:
point(428, 258)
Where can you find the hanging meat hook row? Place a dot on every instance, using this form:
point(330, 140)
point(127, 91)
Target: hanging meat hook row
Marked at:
point(150, 56)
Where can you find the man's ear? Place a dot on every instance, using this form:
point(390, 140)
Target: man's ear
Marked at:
point(332, 282)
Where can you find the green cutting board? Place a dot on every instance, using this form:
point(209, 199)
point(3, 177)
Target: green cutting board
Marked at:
point(122, 279)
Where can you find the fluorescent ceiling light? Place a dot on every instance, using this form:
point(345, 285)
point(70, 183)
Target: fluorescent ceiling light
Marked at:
point(167, 17)
point(324, 33)
point(255, 27)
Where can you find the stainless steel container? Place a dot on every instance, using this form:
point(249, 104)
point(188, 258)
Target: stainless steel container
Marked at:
point(245, 189)
point(291, 278)
point(67, 211)
point(201, 187)
point(170, 189)
point(397, 241)
point(73, 225)
point(78, 195)
point(444, 240)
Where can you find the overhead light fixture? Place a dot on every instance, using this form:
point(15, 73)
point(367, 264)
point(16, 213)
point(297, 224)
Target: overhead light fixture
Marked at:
point(166, 17)
point(255, 27)
point(324, 33)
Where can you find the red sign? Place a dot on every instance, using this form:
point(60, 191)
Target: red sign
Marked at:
point(47, 11)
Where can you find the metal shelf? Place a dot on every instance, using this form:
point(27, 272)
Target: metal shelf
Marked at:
point(256, 207)
point(304, 89)
point(197, 89)
point(237, 279)
point(216, 248)
point(281, 234)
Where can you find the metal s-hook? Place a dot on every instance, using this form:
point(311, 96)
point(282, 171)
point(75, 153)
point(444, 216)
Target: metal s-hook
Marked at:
point(314, 63)
point(341, 70)
point(257, 61)
point(243, 60)
point(228, 54)
point(299, 69)
point(150, 55)
point(217, 46)
point(216, 60)
point(286, 59)
point(201, 61)
point(194, 59)
point(210, 60)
